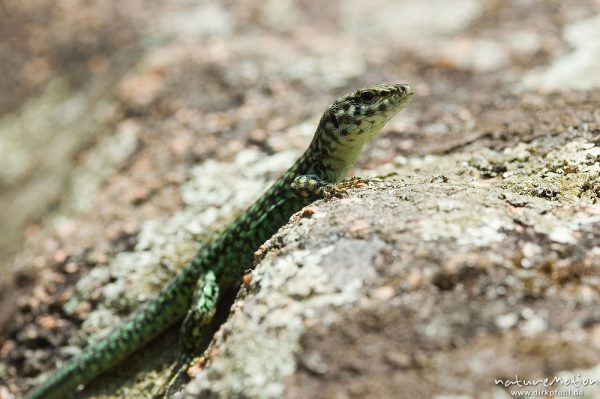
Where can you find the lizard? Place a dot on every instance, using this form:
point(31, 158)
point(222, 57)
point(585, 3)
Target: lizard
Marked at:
point(192, 295)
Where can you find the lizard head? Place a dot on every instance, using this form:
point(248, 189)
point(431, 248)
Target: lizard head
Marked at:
point(352, 120)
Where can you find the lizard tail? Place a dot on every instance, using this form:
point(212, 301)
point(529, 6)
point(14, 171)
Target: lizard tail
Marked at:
point(167, 309)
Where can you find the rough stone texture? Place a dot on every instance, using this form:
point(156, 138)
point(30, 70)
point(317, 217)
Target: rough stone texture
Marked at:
point(428, 283)
point(129, 133)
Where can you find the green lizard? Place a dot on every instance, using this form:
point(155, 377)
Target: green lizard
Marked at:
point(219, 265)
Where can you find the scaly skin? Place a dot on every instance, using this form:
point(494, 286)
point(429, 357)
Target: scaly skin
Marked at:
point(342, 132)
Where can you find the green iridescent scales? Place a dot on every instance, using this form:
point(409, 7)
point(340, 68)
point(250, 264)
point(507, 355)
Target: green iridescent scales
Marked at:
point(342, 132)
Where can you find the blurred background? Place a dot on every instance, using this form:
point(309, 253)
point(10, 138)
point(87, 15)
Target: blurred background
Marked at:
point(106, 106)
point(83, 81)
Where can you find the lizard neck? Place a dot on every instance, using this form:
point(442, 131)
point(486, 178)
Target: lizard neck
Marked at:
point(330, 163)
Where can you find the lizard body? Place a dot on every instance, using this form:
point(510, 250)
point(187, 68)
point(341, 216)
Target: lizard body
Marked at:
point(340, 136)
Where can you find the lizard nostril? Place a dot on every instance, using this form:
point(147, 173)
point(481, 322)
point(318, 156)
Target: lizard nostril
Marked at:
point(404, 88)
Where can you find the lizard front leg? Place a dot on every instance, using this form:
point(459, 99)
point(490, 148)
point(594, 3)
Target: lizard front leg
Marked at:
point(312, 186)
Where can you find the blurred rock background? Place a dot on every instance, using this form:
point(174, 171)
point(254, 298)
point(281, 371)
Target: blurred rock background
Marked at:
point(120, 121)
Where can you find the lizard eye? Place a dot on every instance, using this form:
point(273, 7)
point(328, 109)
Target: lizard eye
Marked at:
point(367, 97)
